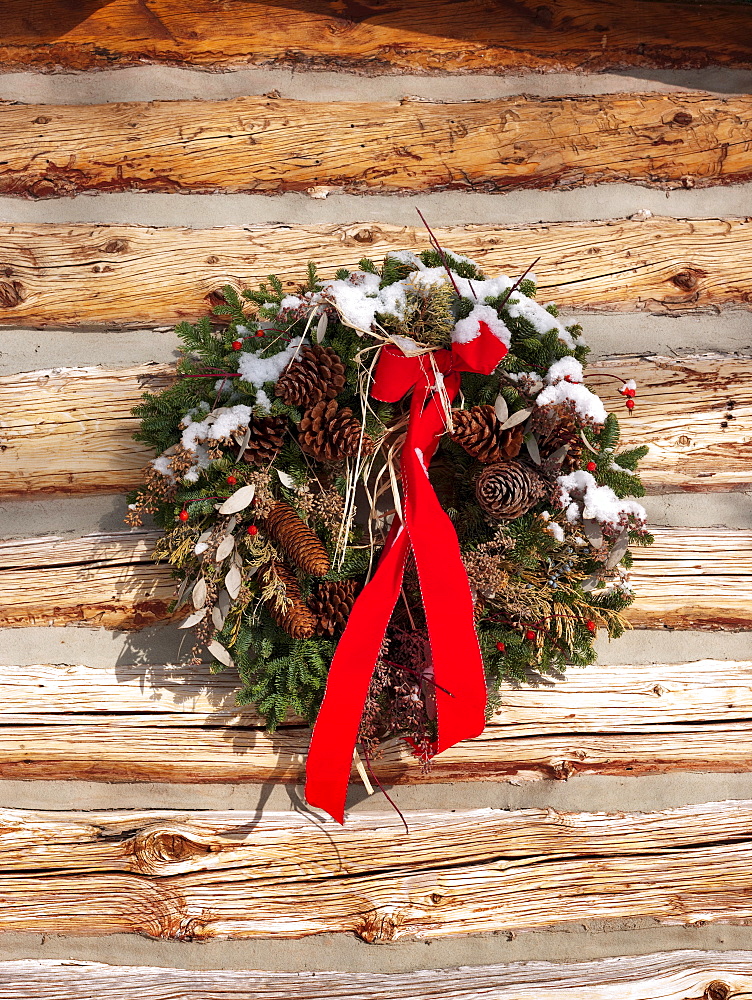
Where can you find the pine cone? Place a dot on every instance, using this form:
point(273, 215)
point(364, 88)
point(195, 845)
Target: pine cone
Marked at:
point(566, 432)
point(296, 618)
point(267, 437)
point(300, 543)
point(332, 603)
point(330, 434)
point(508, 489)
point(479, 432)
point(317, 373)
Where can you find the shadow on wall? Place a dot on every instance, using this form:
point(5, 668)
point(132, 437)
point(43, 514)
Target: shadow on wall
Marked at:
point(45, 19)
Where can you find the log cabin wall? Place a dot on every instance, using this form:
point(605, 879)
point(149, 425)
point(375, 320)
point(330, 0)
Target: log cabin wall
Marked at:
point(596, 840)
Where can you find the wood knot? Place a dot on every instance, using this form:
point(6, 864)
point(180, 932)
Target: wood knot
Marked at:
point(212, 260)
point(216, 298)
point(116, 246)
point(378, 927)
point(153, 849)
point(11, 294)
point(688, 278)
point(682, 118)
point(44, 188)
point(717, 990)
point(42, 120)
point(362, 235)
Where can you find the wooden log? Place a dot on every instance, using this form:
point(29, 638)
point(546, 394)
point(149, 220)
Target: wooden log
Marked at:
point(74, 275)
point(269, 146)
point(453, 37)
point(672, 976)
point(155, 722)
point(79, 420)
point(691, 578)
point(203, 875)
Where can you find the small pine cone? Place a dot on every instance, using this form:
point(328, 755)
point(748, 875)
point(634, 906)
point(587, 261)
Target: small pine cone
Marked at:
point(567, 432)
point(302, 545)
point(267, 437)
point(330, 434)
point(508, 489)
point(479, 432)
point(296, 618)
point(332, 603)
point(317, 373)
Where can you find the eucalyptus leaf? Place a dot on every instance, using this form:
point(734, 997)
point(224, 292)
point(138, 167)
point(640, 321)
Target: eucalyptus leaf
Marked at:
point(194, 619)
point(217, 617)
point(558, 456)
point(618, 550)
point(224, 548)
point(244, 442)
point(286, 479)
point(532, 446)
point(233, 581)
point(199, 593)
point(501, 409)
point(593, 532)
point(223, 603)
point(239, 500)
point(590, 583)
point(321, 326)
point(516, 418)
point(181, 591)
point(219, 652)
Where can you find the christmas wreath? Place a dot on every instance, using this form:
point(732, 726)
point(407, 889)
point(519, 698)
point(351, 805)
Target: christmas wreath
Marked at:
point(384, 494)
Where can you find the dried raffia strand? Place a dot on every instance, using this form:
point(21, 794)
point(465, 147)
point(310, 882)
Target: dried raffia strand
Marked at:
point(287, 608)
point(299, 542)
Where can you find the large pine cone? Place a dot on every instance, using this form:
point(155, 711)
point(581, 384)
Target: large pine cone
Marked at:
point(267, 437)
point(479, 432)
point(508, 489)
point(317, 373)
point(300, 543)
point(332, 603)
point(331, 434)
point(296, 619)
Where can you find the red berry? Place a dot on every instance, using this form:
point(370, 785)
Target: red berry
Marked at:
point(183, 515)
point(259, 333)
point(530, 635)
point(590, 626)
point(237, 344)
point(591, 466)
point(630, 392)
point(231, 480)
point(500, 646)
point(629, 404)
point(252, 530)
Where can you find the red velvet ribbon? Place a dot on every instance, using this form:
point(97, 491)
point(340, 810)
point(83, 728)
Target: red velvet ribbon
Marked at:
point(460, 688)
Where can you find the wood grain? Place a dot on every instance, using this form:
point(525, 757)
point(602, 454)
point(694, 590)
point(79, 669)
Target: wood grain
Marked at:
point(202, 875)
point(156, 722)
point(270, 146)
point(128, 276)
point(691, 578)
point(673, 976)
point(79, 420)
point(503, 36)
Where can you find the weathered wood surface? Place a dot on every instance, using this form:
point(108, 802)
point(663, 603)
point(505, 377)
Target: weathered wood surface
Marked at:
point(203, 875)
point(499, 37)
point(716, 975)
point(690, 578)
point(270, 145)
point(74, 275)
point(79, 419)
point(160, 722)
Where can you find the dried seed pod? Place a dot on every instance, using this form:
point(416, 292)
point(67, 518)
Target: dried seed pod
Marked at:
point(480, 433)
point(332, 602)
point(316, 373)
point(295, 616)
point(507, 490)
point(331, 434)
point(300, 543)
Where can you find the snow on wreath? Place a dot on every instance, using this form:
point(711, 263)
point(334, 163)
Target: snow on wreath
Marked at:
point(386, 493)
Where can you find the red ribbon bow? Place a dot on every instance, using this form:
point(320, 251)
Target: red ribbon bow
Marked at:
point(460, 688)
